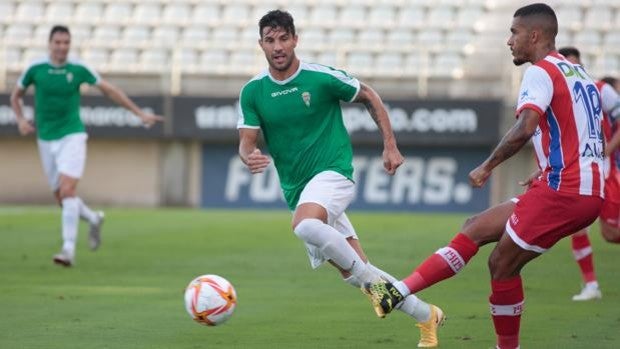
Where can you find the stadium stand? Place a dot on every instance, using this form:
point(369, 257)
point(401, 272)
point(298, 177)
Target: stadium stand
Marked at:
point(386, 40)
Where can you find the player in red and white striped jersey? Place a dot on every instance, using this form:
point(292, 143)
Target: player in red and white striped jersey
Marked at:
point(609, 218)
point(559, 110)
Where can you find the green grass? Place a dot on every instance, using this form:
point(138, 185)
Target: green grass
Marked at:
point(129, 293)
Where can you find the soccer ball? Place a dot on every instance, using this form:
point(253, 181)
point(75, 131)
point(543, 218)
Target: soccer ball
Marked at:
point(210, 300)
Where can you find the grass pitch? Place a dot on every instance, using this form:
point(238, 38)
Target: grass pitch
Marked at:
point(129, 294)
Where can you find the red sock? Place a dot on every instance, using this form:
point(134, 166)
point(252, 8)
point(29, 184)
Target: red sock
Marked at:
point(443, 264)
point(582, 250)
point(506, 307)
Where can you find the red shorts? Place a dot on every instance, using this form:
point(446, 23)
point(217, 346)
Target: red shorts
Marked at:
point(610, 213)
point(543, 216)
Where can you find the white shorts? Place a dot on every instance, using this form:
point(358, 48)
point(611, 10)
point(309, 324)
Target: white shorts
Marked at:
point(65, 156)
point(334, 192)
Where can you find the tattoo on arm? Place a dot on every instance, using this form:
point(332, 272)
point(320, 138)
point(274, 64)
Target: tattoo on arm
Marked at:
point(512, 142)
point(364, 97)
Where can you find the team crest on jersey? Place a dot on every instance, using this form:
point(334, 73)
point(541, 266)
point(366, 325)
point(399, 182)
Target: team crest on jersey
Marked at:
point(69, 77)
point(306, 97)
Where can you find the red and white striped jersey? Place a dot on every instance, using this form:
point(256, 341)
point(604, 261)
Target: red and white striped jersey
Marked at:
point(610, 101)
point(569, 140)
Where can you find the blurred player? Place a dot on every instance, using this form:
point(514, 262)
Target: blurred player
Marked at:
point(558, 109)
point(297, 107)
point(610, 214)
point(60, 133)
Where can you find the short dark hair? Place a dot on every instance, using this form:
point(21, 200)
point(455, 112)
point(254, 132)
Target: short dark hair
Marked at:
point(570, 51)
point(275, 19)
point(59, 29)
point(610, 80)
point(541, 10)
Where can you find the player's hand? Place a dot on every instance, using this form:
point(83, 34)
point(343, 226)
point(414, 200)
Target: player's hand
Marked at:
point(149, 120)
point(479, 176)
point(530, 179)
point(257, 162)
point(392, 159)
point(25, 126)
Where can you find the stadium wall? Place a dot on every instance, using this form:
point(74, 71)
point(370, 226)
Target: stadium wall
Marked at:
point(191, 159)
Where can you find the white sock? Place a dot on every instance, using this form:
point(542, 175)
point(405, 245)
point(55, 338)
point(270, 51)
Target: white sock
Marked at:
point(402, 288)
point(86, 213)
point(412, 305)
point(335, 247)
point(70, 220)
point(592, 285)
point(353, 281)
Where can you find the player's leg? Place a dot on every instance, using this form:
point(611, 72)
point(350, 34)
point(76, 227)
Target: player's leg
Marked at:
point(48, 151)
point(74, 154)
point(542, 217)
point(95, 221)
point(611, 233)
point(479, 230)
point(70, 159)
point(324, 199)
point(582, 251)
point(412, 306)
point(429, 317)
point(93, 218)
point(507, 299)
point(70, 219)
point(610, 221)
point(610, 213)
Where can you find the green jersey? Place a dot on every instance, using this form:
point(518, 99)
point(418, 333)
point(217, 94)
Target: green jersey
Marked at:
point(57, 96)
point(301, 120)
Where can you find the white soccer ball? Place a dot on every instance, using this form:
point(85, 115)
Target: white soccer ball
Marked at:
point(210, 300)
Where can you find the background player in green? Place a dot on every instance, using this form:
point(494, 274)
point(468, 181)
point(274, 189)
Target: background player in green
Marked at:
point(60, 131)
point(297, 107)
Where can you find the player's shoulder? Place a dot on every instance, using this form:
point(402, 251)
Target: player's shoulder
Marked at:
point(38, 63)
point(254, 82)
point(323, 69)
point(539, 71)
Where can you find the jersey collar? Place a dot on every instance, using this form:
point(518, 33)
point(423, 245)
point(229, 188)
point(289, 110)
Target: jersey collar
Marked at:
point(49, 61)
point(287, 80)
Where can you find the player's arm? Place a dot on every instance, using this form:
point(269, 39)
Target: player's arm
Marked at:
point(24, 125)
point(248, 151)
point(611, 107)
point(119, 97)
point(614, 142)
point(392, 158)
point(511, 143)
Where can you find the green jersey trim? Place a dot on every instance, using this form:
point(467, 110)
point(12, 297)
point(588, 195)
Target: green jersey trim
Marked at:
point(338, 74)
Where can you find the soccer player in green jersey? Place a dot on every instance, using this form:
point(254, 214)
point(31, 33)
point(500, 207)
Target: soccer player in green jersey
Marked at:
point(60, 132)
point(296, 105)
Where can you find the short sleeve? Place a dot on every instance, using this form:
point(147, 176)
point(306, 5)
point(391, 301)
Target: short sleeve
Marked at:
point(536, 91)
point(344, 86)
point(26, 79)
point(89, 75)
point(611, 102)
point(248, 116)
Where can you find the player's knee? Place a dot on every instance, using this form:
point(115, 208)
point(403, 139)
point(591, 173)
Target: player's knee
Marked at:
point(306, 227)
point(610, 234)
point(66, 191)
